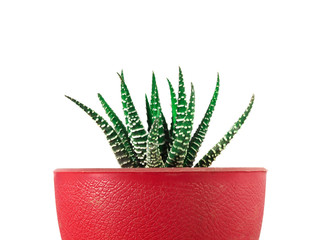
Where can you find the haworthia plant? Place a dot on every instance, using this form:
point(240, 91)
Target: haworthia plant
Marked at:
point(160, 146)
point(181, 106)
point(156, 109)
point(174, 108)
point(120, 151)
point(154, 158)
point(199, 135)
point(137, 132)
point(179, 147)
point(219, 147)
point(119, 128)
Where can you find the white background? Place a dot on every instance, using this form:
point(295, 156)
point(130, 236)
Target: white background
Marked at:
point(52, 48)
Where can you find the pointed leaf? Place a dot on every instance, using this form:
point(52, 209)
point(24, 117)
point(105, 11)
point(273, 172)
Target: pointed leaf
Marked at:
point(179, 148)
point(137, 133)
point(181, 106)
point(114, 140)
point(148, 113)
point(201, 131)
point(154, 158)
point(167, 139)
point(154, 101)
point(123, 97)
point(119, 128)
point(155, 108)
point(207, 160)
point(174, 108)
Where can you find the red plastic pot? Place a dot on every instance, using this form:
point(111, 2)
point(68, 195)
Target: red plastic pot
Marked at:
point(159, 204)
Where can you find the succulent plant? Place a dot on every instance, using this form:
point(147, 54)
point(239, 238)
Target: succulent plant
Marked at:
point(160, 146)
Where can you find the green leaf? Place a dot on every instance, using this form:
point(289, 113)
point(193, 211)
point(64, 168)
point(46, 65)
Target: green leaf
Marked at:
point(154, 158)
point(154, 102)
point(114, 140)
point(201, 131)
point(119, 128)
point(137, 133)
point(155, 109)
point(179, 148)
point(207, 160)
point(148, 113)
point(167, 139)
point(123, 97)
point(174, 108)
point(181, 106)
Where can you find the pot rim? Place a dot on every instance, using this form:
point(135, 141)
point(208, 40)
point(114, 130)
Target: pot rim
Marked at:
point(161, 170)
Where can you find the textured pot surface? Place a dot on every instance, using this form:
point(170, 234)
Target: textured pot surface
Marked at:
point(170, 203)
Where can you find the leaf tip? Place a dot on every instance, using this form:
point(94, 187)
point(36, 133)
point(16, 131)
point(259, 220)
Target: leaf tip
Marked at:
point(153, 77)
point(252, 99)
point(121, 75)
point(192, 87)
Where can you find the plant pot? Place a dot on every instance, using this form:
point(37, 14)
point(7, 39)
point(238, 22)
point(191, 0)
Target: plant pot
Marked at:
point(168, 203)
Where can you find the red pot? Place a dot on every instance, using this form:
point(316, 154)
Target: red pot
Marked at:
point(159, 204)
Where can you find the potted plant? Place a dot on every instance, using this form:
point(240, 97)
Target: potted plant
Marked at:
point(160, 192)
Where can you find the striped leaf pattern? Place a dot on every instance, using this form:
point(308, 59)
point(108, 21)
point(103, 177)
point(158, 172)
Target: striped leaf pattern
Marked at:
point(181, 106)
point(167, 139)
point(137, 133)
point(119, 128)
point(123, 97)
point(124, 93)
point(178, 150)
point(155, 109)
point(207, 160)
point(201, 131)
point(153, 156)
point(160, 146)
point(174, 108)
point(114, 140)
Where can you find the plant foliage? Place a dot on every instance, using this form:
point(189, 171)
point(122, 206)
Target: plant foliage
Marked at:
point(161, 146)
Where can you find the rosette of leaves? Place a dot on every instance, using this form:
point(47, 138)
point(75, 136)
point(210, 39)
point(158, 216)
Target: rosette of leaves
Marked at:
point(161, 145)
